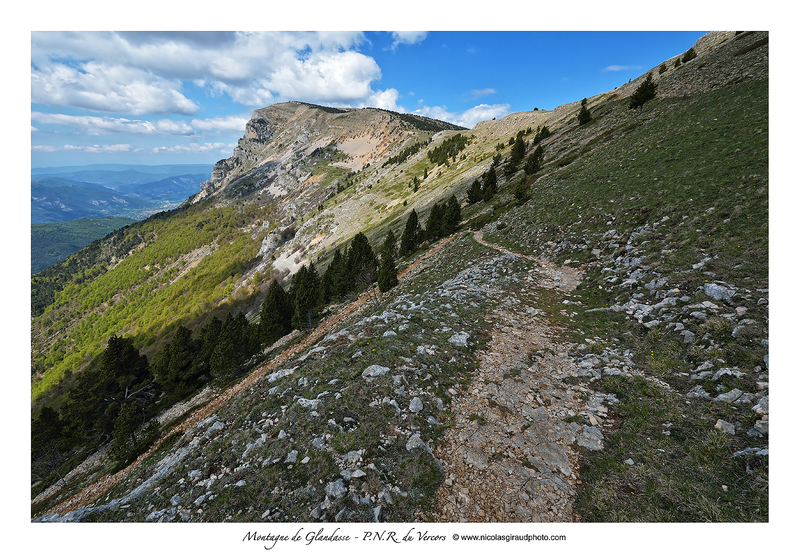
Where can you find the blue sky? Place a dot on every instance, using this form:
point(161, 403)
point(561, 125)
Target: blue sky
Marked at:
point(184, 97)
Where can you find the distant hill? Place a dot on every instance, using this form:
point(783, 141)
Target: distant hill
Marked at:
point(113, 174)
point(74, 200)
point(53, 242)
point(63, 194)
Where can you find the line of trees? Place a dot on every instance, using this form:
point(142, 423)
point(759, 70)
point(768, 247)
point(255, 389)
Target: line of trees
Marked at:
point(443, 220)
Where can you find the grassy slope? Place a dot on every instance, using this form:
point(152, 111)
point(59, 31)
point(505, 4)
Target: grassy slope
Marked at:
point(703, 164)
point(134, 297)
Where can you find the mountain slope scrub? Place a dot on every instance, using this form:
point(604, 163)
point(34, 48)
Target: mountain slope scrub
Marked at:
point(589, 342)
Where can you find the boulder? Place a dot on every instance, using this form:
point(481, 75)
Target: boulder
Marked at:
point(374, 371)
point(718, 292)
point(459, 339)
point(591, 438)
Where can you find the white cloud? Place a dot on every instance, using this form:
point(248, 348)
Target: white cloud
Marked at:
point(227, 123)
point(340, 77)
point(108, 88)
point(622, 68)
point(142, 72)
point(477, 93)
point(407, 37)
point(195, 148)
point(468, 118)
point(98, 125)
point(95, 149)
point(386, 100)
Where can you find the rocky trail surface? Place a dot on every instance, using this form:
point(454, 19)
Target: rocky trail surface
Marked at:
point(509, 456)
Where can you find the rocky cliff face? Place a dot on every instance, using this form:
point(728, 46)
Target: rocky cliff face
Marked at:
point(290, 133)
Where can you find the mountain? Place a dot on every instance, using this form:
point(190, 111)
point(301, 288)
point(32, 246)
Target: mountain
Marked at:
point(74, 194)
point(113, 174)
point(579, 331)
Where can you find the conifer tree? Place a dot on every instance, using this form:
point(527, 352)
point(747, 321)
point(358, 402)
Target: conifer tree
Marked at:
point(518, 150)
point(489, 184)
point(534, 161)
point(410, 237)
point(474, 193)
point(179, 369)
point(387, 275)
point(304, 289)
point(584, 116)
point(433, 228)
point(337, 269)
point(644, 92)
point(389, 244)
point(209, 334)
point(360, 257)
point(276, 314)
point(121, 377)
point(452, 216)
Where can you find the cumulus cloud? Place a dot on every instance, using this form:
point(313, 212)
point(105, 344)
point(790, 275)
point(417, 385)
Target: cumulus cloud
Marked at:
point(143, 72)
point(407, 37)
point(108, 88)
point(468, 118)
point(340, 77)
point(385, 100)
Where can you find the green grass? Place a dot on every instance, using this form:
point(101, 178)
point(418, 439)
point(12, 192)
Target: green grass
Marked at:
point(702, 164)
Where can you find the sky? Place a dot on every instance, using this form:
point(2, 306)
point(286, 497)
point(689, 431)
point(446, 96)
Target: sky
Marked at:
point(170, 97)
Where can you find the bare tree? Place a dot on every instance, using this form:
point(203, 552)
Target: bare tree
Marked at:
point(48, 460)
point(365, 281)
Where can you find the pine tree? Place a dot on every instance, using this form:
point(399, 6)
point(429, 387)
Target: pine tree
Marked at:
point(389, 244)
point(276, 314)
point(387, 276)
point(474, 193)
point(179, 368)
point(433, 228)
point(584, 116)
point(534, 161)
point(304, 289)
point(489, 184)
point(122, 376)
point(410, 237)
point(518, 150)
point(209, 335)
point(644, 92)
point(452, 216)
point(360, 257)
point(340, 282)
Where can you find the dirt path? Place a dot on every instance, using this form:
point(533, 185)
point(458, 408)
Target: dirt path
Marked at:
point(100, 487)
point(508, 457)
